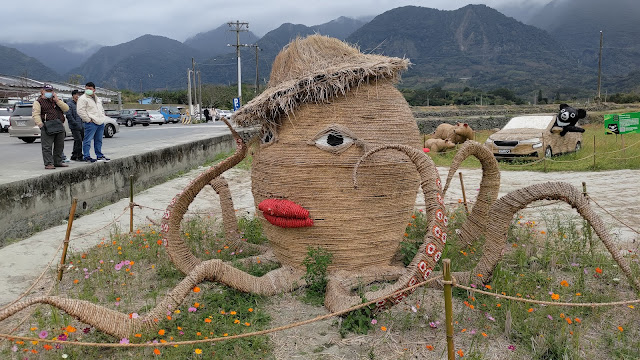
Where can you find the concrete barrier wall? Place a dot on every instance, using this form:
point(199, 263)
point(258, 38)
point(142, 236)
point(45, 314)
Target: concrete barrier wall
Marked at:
point(32, 205)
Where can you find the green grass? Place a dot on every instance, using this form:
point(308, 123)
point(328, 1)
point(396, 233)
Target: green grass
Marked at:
point(608, 154)
point(536, 264)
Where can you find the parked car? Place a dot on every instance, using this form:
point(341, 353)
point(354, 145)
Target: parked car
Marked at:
point(170, 113)
point(532, 136)
point(24, 127)
point(226, 113)
point(114, 114)
point(4, 120)
point(156, 117)
point(131, 117)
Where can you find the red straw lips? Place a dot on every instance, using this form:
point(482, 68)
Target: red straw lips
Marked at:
point(285, 213)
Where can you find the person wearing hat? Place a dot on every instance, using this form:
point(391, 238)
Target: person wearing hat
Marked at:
point(92, 114)
point(48, 114)
point(75, 125)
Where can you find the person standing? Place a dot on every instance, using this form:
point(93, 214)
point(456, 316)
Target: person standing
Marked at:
point(92, 114)
point(75, 125)
point(48, 114)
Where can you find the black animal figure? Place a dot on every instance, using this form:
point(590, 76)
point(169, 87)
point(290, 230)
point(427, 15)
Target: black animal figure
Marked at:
point(568, 118)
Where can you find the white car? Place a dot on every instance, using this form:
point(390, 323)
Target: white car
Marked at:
point(4, 120)
point(226, 113)
point(156, 117)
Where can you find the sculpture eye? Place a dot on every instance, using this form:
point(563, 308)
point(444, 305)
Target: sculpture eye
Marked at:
point(573, 115)
point(266, 137)
point(334, 139)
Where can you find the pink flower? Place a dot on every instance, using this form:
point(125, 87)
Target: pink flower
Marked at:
point(192, 309)
point(43, 334)
point(550, 317)
point(512, 347)
point(124, 341)
point(374, 321)
point(118, 266)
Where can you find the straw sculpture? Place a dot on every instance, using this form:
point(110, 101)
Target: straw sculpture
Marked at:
point(331, 117)
point(503, 210)
point(474, 225)
point(339, 168)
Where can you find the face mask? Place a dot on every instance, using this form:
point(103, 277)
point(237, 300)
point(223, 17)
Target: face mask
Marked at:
point(88, 92)
point(48, 95)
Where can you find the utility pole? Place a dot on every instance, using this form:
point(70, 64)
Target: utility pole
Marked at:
point(238, 27)
point(195, 84)
point(189, 91)
point(200, 94)
point(600, 67)
point(257, 71)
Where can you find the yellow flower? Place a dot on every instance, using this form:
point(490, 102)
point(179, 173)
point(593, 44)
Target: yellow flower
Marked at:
point(198, 351)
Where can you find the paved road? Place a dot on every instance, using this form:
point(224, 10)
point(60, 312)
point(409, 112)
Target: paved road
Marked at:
point(19, 160)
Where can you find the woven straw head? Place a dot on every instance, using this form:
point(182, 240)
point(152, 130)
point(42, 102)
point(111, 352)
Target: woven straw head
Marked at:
point(307, 164)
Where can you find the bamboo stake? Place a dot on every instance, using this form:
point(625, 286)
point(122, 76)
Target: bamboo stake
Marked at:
point(448, 307)
point(586, 223)
point(131, 204)
point(464, 195)
point(72, 213)
point(594, 152)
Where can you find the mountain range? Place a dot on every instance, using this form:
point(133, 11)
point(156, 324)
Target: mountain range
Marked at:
point(476, 46)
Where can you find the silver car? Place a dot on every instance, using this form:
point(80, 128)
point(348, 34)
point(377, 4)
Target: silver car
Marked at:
point(24, 127)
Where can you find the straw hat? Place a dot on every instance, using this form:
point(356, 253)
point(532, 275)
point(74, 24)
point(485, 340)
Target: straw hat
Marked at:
point(313, 70)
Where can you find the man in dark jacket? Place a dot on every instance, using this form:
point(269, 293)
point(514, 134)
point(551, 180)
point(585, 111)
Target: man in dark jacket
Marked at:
point(75, 125)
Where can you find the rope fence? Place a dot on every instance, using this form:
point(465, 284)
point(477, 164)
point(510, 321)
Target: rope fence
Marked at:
point(219, 339)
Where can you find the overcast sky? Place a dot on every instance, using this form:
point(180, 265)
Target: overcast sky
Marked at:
point(116, 21)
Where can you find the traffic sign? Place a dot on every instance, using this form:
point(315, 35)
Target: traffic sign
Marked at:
point(236, 104)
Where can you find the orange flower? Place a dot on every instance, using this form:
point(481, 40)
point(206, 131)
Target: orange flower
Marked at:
point(429, 347)
point(530, 310)
point(196, 289)
point(488, 287)
point(138, 335)
point(47, 347)
point(198, 351)
point(460, 353)
point(564, 283)
point(161, 332)
point(247, 324)
point(76, 281)
point(70, 329)
point(163, 341)
point(598, 270)
point(480, 275)
point(233, 313)
point(168, 317)
point(196, 305)
point(484, 334)
point(620, 328)
point(251, 309)
point(383, 328)
point(236, 321)
point(498, 305)
point(555, 296)
point(463, 330)
point(578, 294)
point(225, 334)
point(542, 232)
point(207, 320)
point(155, 351)
point(159, 242)
point(578, 320)
point(569, 320)
point(471, 307)
point(199, 333)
